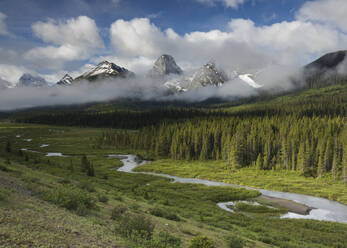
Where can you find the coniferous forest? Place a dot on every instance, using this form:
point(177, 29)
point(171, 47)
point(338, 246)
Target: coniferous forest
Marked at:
point(300, 134)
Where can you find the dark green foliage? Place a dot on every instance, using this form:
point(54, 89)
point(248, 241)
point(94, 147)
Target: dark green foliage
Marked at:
point(103, 198)
point(87, 167)
point(164, 213)
point(165, 240)
point(4, 168)
point(71, 167)
point(309, 145)
point(118, 211)
point(85, 185)
point(8, 146)
point(134, 226)
point(201, 242)
point(71, 198)
point(235, 242)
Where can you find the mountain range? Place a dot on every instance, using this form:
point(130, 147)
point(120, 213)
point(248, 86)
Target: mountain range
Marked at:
point(168, 74)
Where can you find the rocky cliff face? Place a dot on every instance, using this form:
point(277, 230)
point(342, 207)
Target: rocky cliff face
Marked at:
point(165, 65)
point(65, 81)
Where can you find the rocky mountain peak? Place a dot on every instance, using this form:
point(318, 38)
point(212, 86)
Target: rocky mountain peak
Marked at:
point(28, 80)
point(66, 80)
point(165, 65)
point(105, 70)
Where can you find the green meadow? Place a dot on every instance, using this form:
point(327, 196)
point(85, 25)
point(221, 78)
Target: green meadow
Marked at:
point(52, 201)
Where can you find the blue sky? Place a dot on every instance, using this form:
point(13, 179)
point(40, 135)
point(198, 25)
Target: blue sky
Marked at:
point(266, 31)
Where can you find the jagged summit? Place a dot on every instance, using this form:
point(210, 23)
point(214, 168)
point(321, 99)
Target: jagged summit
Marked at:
point(206, 75)
point(165, 65)
point(65, 81)
point(28, 80)
point(209, 75)
point(106, 70)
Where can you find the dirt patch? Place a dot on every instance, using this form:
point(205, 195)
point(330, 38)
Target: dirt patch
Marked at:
point(291, 206)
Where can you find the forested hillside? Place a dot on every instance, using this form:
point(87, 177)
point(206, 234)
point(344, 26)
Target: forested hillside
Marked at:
point(304, 132)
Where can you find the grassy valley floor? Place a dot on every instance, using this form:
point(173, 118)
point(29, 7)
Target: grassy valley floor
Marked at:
point(54, 202)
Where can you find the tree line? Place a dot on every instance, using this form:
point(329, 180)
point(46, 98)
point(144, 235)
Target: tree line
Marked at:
point(314, 146)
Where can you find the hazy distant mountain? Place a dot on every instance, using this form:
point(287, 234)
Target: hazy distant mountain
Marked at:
point(65, 81)
point(328, 69)
point(329, 61)
point(4, 84)
point(105, 70)
point(28, 80)
point(165, 65)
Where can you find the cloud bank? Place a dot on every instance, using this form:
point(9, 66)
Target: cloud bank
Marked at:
point(281, 48)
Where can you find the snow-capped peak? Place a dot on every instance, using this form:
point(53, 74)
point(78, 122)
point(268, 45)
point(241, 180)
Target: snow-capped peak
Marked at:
point(66, 80)
point(105, 69)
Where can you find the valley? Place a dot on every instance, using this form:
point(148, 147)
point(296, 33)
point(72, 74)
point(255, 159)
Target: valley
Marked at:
point(190, 209)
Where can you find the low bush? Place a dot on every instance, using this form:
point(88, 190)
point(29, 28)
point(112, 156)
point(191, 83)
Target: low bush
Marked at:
point(103, 198)
point(201, 242)
point(71, 198)
point(136, 227)
point(165, 240)
point(163, 213)
point(87, 186)
point(235, 242)
point(118, 211)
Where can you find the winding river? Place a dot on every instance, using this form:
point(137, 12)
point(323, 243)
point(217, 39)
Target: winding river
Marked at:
point(324, 209)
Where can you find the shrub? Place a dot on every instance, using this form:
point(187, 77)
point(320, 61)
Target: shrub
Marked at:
point(103, 198)
point(118, 211)
point(3, 195)
point(166, 240)
point(87, 186)
point(4, 168)
point(235, 242)
point(201, 242)
point(136, 226)
point(164, 214)
point(71, 198)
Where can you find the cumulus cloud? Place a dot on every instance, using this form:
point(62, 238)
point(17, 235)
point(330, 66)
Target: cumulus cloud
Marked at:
point(3, 26)
point(228, 3)
point(11, 73)
point(243, 45)
point(74, 39)
point(331, 12)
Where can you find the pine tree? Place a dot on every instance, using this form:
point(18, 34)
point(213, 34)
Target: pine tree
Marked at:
point(71, 166)
point(321, 167)
point(90, 170)
point(84, 163)
point(260, 161)
point(8, 146)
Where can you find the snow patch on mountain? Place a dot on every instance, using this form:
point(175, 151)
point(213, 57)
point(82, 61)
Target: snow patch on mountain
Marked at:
point(248, 79)
point(65, 81)
point(106, 70)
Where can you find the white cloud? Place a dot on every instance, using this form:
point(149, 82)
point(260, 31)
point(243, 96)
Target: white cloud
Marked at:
point(228, 3)
point(331, 12)
point(74, 39)
point(11, 73)
point(243, 46)
point(3, 26)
